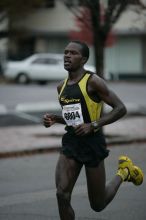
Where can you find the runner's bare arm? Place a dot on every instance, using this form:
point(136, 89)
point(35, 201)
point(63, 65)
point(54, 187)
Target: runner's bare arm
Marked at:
point(99, 86)
point(49, 119)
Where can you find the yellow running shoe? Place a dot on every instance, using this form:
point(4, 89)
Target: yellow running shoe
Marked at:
point(138, 176)
point(135, 174)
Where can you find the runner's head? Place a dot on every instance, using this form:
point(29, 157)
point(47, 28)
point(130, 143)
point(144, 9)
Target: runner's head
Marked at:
point(76, 55)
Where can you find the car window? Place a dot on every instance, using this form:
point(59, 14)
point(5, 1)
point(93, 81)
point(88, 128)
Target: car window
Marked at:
point(45, 61)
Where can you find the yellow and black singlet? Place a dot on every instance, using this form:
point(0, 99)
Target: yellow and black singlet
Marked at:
point(77, 106)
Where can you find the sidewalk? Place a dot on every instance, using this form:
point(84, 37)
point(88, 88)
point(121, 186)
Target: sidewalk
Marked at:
point(19, 140)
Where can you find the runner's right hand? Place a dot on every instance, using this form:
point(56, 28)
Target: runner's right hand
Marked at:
point(48, 120)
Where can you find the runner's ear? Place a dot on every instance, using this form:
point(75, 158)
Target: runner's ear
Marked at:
point(84, 60)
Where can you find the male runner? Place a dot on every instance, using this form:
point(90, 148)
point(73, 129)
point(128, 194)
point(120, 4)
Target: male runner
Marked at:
point(81, 96)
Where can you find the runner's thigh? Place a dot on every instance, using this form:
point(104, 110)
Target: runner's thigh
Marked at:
point(96, 183)
point(67, 172)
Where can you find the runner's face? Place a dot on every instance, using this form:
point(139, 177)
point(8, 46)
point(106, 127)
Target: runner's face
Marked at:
point(73, 59)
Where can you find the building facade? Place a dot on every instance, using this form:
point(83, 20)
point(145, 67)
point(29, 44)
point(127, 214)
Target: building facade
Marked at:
point(3, 41)
point(47, 28)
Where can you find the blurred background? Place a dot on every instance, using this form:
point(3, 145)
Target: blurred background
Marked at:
point(46, 26)
point(33, 35)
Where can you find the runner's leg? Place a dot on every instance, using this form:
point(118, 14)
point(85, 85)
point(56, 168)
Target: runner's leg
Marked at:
point(99, 194)
point(67, 172)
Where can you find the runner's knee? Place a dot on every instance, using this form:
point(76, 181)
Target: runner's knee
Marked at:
point(97, 207)
point(63, 196)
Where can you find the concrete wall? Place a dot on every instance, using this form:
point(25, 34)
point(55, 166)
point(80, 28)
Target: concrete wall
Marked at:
point(125, 56)
point(57, 19)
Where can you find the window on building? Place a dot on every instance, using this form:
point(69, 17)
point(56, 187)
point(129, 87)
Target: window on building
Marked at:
point(71, 3)
point(46, 4)
point(49, 3)
point(46, 61)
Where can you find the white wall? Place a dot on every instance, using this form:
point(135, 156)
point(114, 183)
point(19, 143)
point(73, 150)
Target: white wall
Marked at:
point(54, 45)
point(54, 19)
point(125, 56)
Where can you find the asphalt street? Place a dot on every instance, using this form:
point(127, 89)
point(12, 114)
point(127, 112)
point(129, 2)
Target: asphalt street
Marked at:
point(13, 94)
point(27, 189)
point(27, 185)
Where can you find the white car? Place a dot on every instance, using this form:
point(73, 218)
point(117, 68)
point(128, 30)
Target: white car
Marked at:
point(39, 68)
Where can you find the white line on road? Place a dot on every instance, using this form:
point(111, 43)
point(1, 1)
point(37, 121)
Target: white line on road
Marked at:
point(27, 116)
point(38, 106)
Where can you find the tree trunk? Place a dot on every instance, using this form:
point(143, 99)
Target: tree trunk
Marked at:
point(99, 55)
point(98, 40)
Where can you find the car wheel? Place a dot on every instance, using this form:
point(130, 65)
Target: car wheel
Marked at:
point(22, 78)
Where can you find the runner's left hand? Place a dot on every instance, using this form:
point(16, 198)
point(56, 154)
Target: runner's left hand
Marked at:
point(83, 129)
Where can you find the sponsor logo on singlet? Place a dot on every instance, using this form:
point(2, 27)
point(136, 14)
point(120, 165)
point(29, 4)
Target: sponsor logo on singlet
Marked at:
point(67, 101)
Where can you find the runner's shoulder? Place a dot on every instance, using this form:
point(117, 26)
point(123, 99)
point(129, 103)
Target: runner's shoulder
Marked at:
point(60, 86)
point(94, 78)
point(96, 82)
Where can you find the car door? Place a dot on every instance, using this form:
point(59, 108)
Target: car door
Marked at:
point(47, 68)
point(55, 69)
point(38, 69)
point(52, 68)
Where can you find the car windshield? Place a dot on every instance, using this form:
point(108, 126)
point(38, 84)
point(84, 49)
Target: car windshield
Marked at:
point(49, 61)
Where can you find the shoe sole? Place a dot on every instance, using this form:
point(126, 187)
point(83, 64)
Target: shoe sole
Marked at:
point(138, 172)
point(126, 162)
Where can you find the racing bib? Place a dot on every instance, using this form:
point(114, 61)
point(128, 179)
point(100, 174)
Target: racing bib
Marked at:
point(72, 114)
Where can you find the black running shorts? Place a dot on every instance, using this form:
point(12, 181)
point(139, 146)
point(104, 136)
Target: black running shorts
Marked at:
point(88, 150)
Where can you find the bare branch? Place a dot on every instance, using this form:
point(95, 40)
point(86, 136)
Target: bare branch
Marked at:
point(138, 2)
point(113, 12)
point(87, 21)
point(120, 8)
point(112, 4)
point(3, 15)
point(76, 11)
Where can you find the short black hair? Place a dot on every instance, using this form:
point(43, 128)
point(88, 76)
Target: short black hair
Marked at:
point(84, 48)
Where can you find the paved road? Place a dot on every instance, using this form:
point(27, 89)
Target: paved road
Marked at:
point(27, 189)
point(12, 94)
